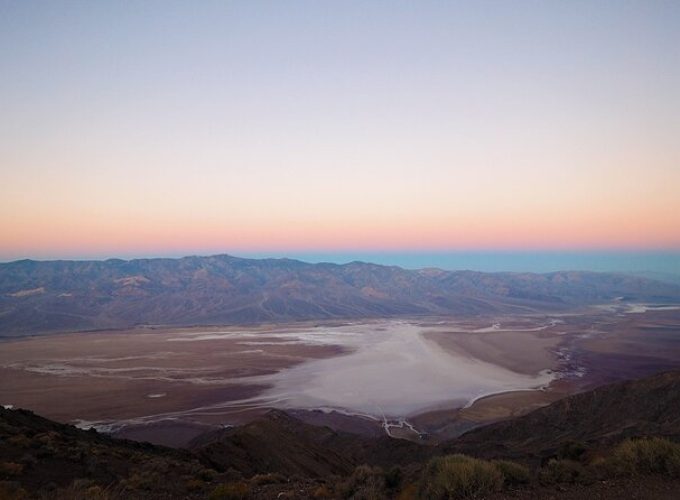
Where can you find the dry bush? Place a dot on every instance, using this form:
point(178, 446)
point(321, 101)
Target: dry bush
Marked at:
point(322, 492)
point(645, 456)
point(394, 478)
point(20, 440)
point(85, 489)
point(459, 476)
point(271, 478)
point(573, 450)
point(231, 491)
point(206, 475)
point(513, 473)
point(195, 485)
point(408, 492)
point(564, 471)
point(365, 483)
point(150, 481)
point(10, 490)
point(10, 469)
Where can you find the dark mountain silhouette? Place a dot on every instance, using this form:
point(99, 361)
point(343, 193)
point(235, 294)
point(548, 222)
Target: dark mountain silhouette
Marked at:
point(39, 455)
point(275, 443)
point(52, 296)
point(280, 443)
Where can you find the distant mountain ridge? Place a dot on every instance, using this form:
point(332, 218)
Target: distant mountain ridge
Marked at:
point(54, 296)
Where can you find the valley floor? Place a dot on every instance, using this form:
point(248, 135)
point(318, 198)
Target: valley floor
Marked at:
point(424, 379)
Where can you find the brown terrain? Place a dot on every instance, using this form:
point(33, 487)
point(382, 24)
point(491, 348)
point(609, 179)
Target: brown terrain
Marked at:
point(279, 455)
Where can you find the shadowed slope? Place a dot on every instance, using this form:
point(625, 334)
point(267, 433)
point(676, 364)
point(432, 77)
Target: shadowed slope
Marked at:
point(41, 454)
point(646, 407)
point(35, 452)
point(280, 443)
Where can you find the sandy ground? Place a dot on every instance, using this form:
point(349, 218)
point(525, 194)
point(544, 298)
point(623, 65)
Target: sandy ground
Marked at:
point(123, 375)
point(526, 352)
point(588, 349)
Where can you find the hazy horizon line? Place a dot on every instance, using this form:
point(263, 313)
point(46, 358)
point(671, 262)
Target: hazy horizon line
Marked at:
point(666, 261)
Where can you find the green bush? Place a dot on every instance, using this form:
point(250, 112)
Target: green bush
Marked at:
point(513, 473)
point(459, 476)
point(644, 456)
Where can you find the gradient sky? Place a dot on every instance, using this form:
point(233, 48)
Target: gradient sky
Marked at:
point(155, 128)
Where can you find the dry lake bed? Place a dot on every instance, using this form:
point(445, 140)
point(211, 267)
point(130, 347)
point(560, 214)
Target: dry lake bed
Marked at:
point(418, 378)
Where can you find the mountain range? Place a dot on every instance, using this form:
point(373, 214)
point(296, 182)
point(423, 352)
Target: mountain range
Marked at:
point(55, 296)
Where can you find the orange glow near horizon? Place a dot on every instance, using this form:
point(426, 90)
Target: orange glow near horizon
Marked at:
point(458, 209)
point(109, 236)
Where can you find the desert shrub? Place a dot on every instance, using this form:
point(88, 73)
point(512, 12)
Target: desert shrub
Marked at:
point(459, 476)
point(231, 475)
point(28, 460)
point(365, 483)
point(10, 469)
point(96, 493)
point(644, 456)
point(21, 440)
point(563, 471)
point(572, 450)
point(48, 438)
point(82, 484)
point(6, 429)
point(673, 464)
point(408, 492)
point(195, 484)
point(393, 478)
point(513, 473)
point(206, 475)
point(322, 492)
point(10, 490)
point(231, 491)
point(150, 481)
point(84, 489)
point(271, 478)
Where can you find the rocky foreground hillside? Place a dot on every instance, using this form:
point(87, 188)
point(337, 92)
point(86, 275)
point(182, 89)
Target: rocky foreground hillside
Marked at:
point(53, 296)
point(592, 445)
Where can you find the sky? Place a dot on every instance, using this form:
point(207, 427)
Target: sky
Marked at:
point(354, 127)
